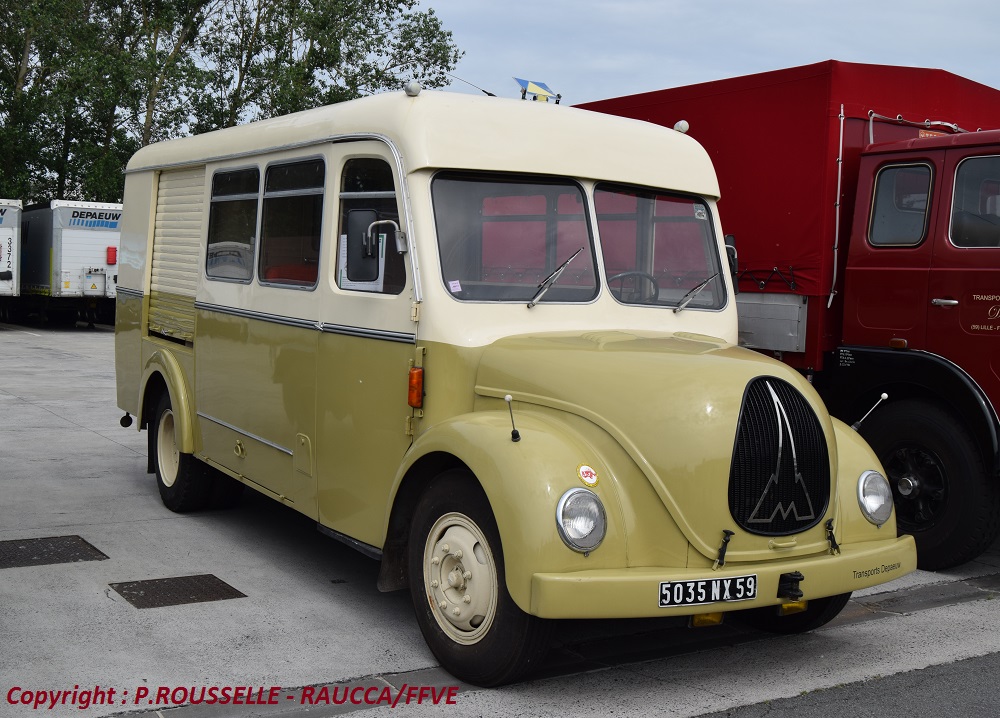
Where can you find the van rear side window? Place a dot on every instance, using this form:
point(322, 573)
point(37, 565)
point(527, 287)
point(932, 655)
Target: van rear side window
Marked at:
point(232, 224)
point(292, 223)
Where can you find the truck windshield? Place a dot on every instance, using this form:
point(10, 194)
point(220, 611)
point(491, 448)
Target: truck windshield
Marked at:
point(659, 249)
point(500, 237)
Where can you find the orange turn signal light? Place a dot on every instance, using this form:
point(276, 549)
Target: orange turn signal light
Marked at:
point(415, 387)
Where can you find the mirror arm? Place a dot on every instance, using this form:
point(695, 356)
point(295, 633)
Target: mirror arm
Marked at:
point(399, 234)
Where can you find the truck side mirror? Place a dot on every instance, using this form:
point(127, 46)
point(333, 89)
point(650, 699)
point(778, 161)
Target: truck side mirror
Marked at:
point(362, 249)
point(732, 256)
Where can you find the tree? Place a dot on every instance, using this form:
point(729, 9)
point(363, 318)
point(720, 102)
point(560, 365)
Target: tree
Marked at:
point(34, 51)
point(85, 83)
point(264, 58)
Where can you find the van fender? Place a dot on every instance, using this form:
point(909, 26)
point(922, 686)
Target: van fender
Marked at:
point(164, 365)
point(524, 481)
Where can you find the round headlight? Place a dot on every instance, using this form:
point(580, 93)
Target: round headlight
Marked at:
point(875, 497)
point(581, 521)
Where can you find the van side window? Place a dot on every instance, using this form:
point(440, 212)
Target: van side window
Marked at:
point(975, 217)
point(369, 262)
point(232, 224)
point(291, 223)
point(899, 212)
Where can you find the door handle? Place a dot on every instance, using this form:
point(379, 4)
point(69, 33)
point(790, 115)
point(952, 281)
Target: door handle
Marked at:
point(944, 302)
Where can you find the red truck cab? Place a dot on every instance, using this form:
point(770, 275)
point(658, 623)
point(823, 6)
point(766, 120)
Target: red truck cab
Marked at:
point(865, 205)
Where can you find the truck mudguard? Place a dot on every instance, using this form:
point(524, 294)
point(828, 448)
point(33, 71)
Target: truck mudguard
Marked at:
point(856, 376)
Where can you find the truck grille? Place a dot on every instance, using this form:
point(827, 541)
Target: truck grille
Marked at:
point(779, 483)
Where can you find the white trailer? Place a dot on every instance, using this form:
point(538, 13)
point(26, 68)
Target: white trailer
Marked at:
point(70, 259)
point(10, 251)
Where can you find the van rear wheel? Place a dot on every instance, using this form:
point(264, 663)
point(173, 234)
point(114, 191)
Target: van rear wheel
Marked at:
point(459, 590)
point(183, 481)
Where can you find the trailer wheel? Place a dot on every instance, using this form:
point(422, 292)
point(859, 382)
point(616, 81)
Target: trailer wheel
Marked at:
point(941, 490)
point(183, 481)
point(819, 612)
point(458, 587)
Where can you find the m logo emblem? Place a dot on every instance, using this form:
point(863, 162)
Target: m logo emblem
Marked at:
point(770, 505)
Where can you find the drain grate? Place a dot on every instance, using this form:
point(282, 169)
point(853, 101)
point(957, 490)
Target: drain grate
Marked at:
point(45, 551)
point(159, 592)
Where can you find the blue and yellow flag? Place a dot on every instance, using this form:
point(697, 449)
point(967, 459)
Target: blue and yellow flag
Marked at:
point(539, 89)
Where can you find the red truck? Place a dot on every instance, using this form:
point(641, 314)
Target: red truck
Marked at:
point(865, 205)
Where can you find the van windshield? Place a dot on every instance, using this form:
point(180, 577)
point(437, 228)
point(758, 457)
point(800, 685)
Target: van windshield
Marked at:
point(529, 239)
point(500, 237)
point(658, 248)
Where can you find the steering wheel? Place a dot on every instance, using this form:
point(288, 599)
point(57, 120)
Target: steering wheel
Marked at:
point(635, 295)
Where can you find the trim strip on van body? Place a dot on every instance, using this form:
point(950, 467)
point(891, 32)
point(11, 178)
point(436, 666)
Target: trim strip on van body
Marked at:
point(382, 334)
point(247, 434)
point(261, 316)
point(363, 332)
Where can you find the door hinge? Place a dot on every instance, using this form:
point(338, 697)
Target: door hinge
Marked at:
point(415, 312)
point(411, 421)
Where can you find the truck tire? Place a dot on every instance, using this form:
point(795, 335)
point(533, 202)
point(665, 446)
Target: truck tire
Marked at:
point(819, 612)
point(942, 493)
point(459, 590)
point(184, 481)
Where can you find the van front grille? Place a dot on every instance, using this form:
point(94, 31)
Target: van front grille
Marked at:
point(779, 483)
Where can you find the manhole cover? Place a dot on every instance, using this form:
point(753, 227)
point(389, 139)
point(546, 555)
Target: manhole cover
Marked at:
point(159, 592)
point(44, 551)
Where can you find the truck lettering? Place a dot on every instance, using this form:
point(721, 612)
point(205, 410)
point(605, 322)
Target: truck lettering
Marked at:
point(86, 214)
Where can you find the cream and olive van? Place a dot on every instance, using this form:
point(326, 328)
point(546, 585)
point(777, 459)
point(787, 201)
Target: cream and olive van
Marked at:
point(493, 344)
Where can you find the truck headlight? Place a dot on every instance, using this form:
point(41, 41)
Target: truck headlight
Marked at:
point(581, 520)
point(875, 497)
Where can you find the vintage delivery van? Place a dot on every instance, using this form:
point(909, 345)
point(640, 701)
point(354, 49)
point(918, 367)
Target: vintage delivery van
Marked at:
point(493, 344)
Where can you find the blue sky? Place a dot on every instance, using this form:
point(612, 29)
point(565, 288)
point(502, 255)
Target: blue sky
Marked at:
point(594, 49)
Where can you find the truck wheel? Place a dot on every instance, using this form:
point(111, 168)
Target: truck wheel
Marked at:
point(819, 612)
point(942, 493)
point(183, 481)
point(459, 590)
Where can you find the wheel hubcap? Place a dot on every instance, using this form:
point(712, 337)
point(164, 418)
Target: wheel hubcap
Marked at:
point(908, 486)
point(167, 454)
point(460, 578)
point(919, 487)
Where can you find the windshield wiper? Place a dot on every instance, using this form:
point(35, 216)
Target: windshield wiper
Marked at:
point(692, 293)
point(543, 287)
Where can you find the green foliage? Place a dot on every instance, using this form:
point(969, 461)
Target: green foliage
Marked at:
point(85, 83)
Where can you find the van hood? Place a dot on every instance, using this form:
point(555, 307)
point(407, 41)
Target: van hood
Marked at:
point(674, 404)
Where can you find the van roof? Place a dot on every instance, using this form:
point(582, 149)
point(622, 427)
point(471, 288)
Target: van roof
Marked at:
point(458, 131)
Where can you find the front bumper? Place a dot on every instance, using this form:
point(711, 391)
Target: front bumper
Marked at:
point(634, 592)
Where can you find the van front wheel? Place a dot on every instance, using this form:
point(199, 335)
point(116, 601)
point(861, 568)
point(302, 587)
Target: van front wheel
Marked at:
point(183, 481)
point(458, 587)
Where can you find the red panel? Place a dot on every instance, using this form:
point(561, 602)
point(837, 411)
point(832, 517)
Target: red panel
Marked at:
point(774, 138)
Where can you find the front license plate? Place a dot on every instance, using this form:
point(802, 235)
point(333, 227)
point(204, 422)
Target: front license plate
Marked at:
point(708, 590)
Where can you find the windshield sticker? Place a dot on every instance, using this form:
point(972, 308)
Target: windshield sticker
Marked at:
point(455, 286)
point(587, 475)
point(699, 212)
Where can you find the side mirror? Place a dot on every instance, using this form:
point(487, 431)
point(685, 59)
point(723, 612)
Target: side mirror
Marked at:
point(362, 249)
point(734, 264)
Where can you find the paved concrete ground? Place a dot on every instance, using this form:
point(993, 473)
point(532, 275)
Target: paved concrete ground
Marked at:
point(311, 615)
